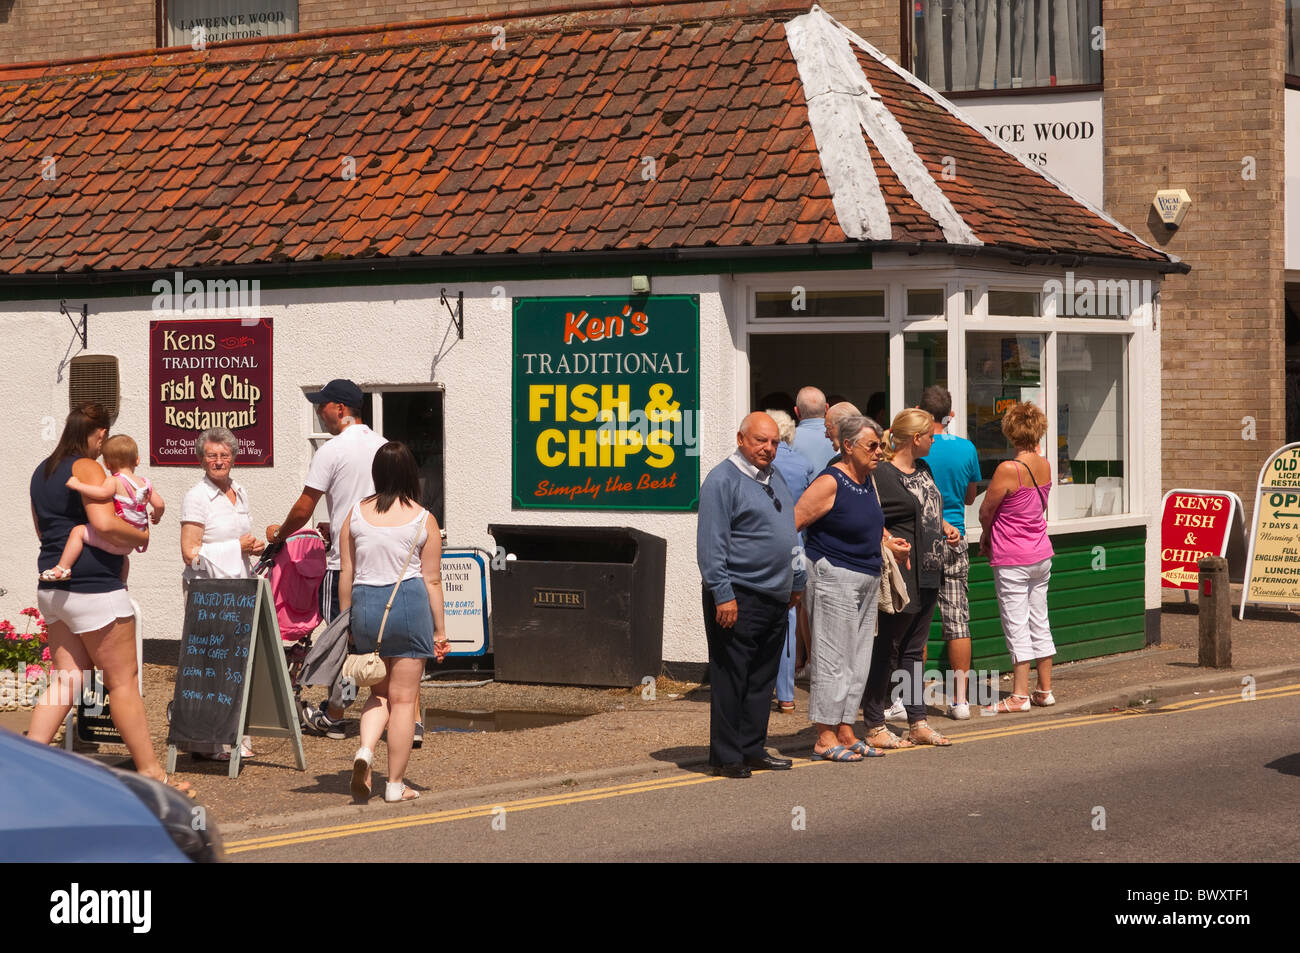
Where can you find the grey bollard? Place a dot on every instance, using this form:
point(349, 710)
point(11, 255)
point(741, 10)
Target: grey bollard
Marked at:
point(1214, 613)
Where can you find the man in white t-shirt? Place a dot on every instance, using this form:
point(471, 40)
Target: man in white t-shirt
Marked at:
point(340, 471)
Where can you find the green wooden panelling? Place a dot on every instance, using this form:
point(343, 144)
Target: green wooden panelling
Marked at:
point(1093, 612)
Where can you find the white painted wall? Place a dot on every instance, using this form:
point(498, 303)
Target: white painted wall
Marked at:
point(1292, 185)
point(395, 334)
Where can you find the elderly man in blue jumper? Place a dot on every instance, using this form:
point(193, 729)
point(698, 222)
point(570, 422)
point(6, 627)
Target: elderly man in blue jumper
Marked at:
point(748, 551)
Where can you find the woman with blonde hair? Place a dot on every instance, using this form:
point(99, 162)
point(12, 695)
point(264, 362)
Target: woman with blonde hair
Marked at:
point(913, 509)
point(1013, 517)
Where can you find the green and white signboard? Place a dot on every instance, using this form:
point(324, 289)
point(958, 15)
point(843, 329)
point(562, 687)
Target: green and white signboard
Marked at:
point(606, 403)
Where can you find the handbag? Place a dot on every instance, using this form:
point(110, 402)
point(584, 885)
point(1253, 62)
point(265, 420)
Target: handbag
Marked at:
point(368, 668)
point(893, 589)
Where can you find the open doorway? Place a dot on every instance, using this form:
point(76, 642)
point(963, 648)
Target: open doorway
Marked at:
point(852, 367)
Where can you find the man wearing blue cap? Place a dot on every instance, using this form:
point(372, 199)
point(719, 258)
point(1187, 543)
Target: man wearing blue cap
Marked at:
point(341, 471)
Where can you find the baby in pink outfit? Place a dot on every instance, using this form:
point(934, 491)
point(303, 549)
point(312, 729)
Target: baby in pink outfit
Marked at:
point(134, 500)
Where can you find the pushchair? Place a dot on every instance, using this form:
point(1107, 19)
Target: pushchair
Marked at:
point(296, 568)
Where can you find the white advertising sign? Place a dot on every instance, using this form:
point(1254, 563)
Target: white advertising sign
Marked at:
point(465, 601)
point(1058, 132)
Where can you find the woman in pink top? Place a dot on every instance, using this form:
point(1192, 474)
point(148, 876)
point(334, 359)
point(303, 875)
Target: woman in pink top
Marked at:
point(1014, 521)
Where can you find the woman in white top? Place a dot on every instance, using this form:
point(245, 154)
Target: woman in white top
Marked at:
point(217, 534)
point(388, 537)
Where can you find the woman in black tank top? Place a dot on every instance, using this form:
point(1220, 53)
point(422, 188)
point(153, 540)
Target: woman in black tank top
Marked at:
point(94, 590)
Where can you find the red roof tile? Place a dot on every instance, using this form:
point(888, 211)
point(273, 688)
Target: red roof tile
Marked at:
point(238, 154)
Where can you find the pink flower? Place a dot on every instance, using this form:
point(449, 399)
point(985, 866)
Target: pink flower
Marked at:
point(34, 672)
point(32, 611)
point(45, 654)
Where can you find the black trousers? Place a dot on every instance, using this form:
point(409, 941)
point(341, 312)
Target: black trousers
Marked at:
point(743, 663)
point(905, 634)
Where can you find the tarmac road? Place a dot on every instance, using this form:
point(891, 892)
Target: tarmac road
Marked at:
point(1206, 780)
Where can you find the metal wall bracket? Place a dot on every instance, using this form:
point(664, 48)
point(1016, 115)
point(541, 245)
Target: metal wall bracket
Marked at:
point(79, 328)
point(459, 314)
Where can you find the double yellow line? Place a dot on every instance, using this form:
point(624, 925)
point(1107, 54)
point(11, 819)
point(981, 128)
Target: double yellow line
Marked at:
point(1002, 729)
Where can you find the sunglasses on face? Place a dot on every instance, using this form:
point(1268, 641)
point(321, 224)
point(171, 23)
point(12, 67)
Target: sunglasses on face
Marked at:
point(772, 496)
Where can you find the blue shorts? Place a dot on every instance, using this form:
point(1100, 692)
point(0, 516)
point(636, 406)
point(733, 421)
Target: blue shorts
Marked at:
point(409, 632)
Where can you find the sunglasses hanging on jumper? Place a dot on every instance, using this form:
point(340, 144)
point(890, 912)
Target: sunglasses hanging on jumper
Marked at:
point(767, 487)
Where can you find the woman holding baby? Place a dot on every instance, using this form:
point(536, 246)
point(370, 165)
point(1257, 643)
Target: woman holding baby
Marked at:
point(90, 617)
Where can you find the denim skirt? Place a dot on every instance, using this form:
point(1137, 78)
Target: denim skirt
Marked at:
point(409, 632)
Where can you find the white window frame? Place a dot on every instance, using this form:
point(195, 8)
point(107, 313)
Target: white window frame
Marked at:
point(895, 282)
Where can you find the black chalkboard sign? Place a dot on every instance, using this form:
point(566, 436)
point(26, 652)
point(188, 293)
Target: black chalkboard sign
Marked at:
point(231, 677)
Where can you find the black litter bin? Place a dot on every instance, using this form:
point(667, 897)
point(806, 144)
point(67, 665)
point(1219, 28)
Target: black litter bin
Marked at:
point(578, 605)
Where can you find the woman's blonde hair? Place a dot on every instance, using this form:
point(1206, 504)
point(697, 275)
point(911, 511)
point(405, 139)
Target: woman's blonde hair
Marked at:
point(785, 425)
point(907, 424)
point(1024, 424)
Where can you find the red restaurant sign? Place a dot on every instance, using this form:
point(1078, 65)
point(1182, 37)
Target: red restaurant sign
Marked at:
point(1193, 524)
point(209, 373)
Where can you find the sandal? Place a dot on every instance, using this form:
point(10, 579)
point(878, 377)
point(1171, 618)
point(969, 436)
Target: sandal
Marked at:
point(839, 753)
point(57, 574)
point(1009, 704)
point(882, 737)
point(864, 749)
point(1043, 699)
point(395, 791)
point(785, 708)
point(361, 774)
point(921, 733)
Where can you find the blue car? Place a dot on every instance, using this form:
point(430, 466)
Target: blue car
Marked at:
point(57, 807)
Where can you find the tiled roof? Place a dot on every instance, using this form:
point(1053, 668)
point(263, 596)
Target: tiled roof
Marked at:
point(652, 127)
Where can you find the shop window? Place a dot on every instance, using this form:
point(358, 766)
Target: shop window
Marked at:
point(801, 303)
point(852, 367)
point(925, 363)
point(1015, 304)
point(1090, 425)
point(925, 303)
point(413, 416)
point(990, 45)
point(1001, 369)
point(186, 22)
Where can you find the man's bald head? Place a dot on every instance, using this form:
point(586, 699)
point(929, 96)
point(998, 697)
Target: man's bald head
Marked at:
point(834, 415)
point(810, 403)
point(757, 439)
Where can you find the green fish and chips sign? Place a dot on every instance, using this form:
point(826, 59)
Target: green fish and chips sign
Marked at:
point(606, 403)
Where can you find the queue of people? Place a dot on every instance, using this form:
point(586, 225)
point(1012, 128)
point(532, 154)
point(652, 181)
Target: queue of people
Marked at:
point(883, 514)
point(88, 519)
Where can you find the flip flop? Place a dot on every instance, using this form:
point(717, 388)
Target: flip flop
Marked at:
point(839, 754)
point(864, 749)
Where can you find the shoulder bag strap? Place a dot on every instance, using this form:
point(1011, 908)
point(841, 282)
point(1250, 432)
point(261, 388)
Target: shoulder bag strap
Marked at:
point(1035, 483)
point(393, 595)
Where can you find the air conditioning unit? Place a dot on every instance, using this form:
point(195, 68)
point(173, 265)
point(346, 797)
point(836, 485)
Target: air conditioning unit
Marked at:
point(94, 377)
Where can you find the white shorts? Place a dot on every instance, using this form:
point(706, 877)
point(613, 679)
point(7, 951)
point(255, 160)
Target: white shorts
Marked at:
point(84, 611)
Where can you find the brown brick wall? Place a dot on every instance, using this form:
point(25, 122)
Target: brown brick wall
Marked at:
point(1192, 89)
point(67, 29)
point(72, 29)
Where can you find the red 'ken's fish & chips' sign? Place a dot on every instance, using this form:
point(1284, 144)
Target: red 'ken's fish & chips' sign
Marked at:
point(1194, 524)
